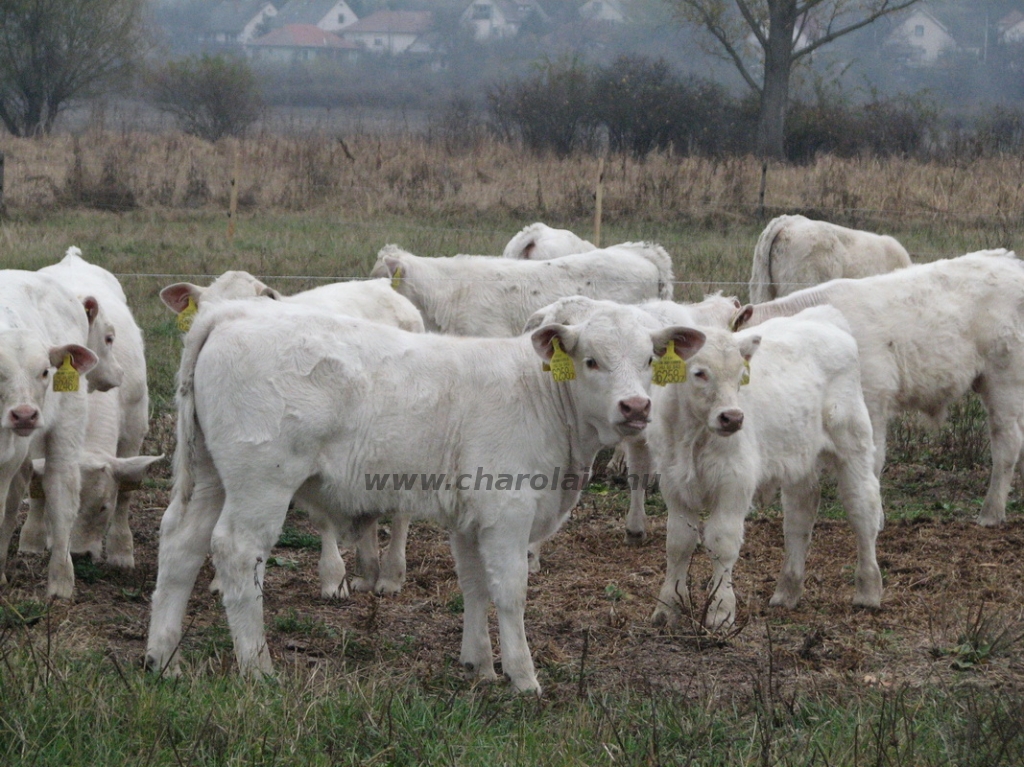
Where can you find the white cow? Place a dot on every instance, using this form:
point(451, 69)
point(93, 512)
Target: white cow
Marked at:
point(117, 425)
point(794, 252)
point(492, 296)
point(715, 440)
point(43, 326)
point(313, 406)
point(368, 299)
point(539, 242)
point(930, 333)
point(715, 311)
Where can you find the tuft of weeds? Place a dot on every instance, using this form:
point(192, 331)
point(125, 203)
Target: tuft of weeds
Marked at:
point(982, 637)
point(293, 538)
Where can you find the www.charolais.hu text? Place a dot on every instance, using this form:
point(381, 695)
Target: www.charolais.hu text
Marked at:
point(481, 480)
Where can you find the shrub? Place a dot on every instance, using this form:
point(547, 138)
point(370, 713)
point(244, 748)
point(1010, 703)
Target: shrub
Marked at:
point(209, 96)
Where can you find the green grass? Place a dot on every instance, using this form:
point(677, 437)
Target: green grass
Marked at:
point(95, 710)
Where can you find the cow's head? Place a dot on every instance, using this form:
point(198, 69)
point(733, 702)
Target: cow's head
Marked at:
point(394, 264)
point(715, 374)
point(26, 374)
point(611, 352)
point(184, 297)
point(108, 372)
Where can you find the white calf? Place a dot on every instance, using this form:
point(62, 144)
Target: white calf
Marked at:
point(118, 422)
point(368, 299)
point(539, 242)
point(42, 327)
point(794, 252)
point(494, 297)
point(715, 440)
point(303, 404)
point(927, 335)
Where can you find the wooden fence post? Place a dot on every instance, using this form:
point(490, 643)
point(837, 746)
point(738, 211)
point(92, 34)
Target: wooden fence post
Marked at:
point(598, 199)
point(233, 199)
point(3, 209)
point(760, 194)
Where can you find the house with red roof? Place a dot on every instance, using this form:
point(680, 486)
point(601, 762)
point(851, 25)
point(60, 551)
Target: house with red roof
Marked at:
point(299, 43)
point(390, 31)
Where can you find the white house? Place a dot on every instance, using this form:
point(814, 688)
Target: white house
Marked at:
point(920, 38)
point(297, 43)
point(390, 31)
point(604, 10)
point(497, 19)
point(1010, 28)
point(238, 21)
point(328, 15)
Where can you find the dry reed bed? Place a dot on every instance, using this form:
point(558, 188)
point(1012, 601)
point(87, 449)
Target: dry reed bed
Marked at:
point(366, 175)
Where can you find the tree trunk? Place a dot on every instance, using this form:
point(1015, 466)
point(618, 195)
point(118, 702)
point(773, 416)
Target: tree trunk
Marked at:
point(778, 60)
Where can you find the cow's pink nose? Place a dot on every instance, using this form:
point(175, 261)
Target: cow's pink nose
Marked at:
point(635, 408)
point(24, 417)
point(730, 420)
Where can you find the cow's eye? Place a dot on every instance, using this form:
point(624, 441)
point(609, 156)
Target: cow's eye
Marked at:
point(591, 363)
point(650, 361)
point(701, 374)
point(46, 374)
point(110, 339)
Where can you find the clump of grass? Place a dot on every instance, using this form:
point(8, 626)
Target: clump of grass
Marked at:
point(293, 538)
point(982, 637)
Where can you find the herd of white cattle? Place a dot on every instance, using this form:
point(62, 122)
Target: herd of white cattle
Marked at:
point(522, 366)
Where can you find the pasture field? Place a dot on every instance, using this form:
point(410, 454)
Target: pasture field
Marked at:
point(935, 677)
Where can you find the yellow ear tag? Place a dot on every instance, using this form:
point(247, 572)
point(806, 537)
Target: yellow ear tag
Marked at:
point(671, 368)
point(561, 365)
point(66, 377)
point(396, 278)
point(746, 373)
point(186, 315)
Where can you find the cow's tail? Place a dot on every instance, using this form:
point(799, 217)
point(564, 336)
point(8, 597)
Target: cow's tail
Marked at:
point(761, 287)
point(662, 261)
point(189, 433)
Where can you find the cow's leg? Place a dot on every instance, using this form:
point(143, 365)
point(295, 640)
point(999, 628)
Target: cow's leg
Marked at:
point(723, 537)
point(331, 566)
point(10, 518)
point(533, 556)
point(682, 537)
point(33, 536)
point(120, 545)
point(799, 508)
point(476, 655)
point(367, 555)
point(638, 459)
point(87, 532)
point(392, 567)
point(879, 416)
point(503, 555)
point(1003, 402)
point(249, 526)
point(859, 492)
point(61, 485)
point(185, 533)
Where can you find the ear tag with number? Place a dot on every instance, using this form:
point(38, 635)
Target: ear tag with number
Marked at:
point(186, 315)
point(561, 365)
point(396, 278)
point(671, 368)
point(66, 377)
point(746, 373)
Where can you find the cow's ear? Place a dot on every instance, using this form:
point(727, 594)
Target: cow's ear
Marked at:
point(394, 266)
point(82, 359)
point(687, 341)
point(742, 317)
point(176, 296)
point(132, 469)
point(543, 340)
point(749, 345)
point(92, 308)
point(271, 293)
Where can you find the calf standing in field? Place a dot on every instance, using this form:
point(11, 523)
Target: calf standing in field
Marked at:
point(42, 327)
point(368, 299)
point(117, 424)
point(715, 440)
point(494, 297)
point(539, 242)
point(298, 403)
point(927, 335)
point(794, 252)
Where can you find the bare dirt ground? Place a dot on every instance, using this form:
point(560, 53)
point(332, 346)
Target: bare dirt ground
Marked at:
point(950, 586)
